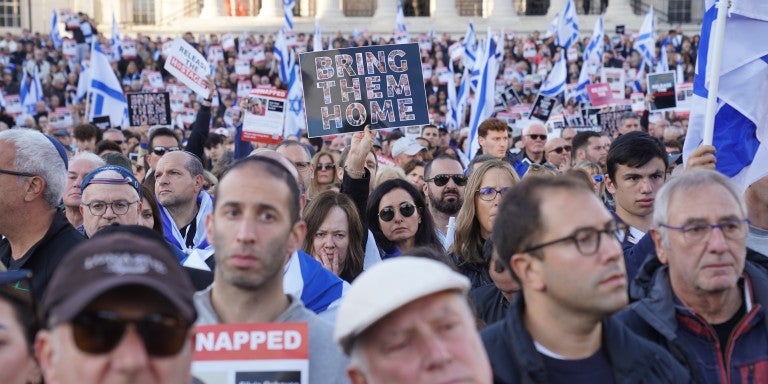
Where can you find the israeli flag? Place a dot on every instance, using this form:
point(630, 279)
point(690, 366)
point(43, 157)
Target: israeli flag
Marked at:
point(285, 56)
point(317, 38)
point(31, 91)
point(552, 28)
point(663, 64)
point(555, 82)
point(568, 27)
point(485, 97)
point(741, 119)
point(592, 60)
point(116, 43)
point(470, 47)
point(400, 19)
point(107, 97)
point(55, 34)
point(288, 6)
point(645, 43)
point(451, 117)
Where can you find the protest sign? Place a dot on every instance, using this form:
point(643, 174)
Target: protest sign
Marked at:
point(258, 54)
point(264, 115)
point(347, 89)
point(155, 78)
point(426, 70)
point(242, 68)
point(637, 100)
point(185, 117)
point(244, 88)
point(69, 48)
point(149, 108)
point(444, 75)
point(189, 66)
point(252, 353)
point(684, 96)
point(228, 41)
point(542, 107)
point(608, 118)
point(661, 88)
point(102, 122)
point(616, 78)
point(215, 53)
point(599, 94)
point(13, 105)
point(129, 49)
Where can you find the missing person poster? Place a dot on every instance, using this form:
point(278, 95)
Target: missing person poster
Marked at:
point(347, 89)
point(252, 353)
point(616, 78)
point(542, 107)
point(149, 108)
point(661, 88)
point(264, 115)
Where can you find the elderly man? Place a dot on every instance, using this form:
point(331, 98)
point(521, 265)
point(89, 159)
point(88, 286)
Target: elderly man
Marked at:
point(557, 152)
point(37, 233)
point(80, 165)
point(559, 242)
point(119, 310)
point(706, 300)
point(299, 155)
point(111, 195)
point(444, 190)
point(183, 202)
point(255, 226)
point(534, 137)
point(418, 330)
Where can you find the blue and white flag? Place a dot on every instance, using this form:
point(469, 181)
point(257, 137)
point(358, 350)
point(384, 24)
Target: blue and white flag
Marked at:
point(317, 38)
point(107, 97)
point(552, 28)
point(83, 80)
point(645, 44)
point(30, 92)
point(568, 27)
point(116, 43)
point(485, 97)
point(470, 47)
point(288, 6)
point(285, 57)
point(663, 64)
point(555, 82)
point(55, 34)
point(637, 82)
point(592, 60)
point(741, 121)
point(295, 119)
point(451, 116)
point(400, 19)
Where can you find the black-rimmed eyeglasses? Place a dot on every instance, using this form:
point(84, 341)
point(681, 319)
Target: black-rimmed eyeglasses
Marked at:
point(119, 207)
point(14, 173)
point(587, 240)
point(733, 229)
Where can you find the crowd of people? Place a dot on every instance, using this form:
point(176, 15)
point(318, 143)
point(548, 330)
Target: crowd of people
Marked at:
point(565, 255)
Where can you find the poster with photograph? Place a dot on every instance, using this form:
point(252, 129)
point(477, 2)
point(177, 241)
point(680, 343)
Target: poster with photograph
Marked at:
point(264, 115)
point(616, 78)
point(684, 95)
point(661, 88)
point(347, 89)
point(251, 353)
point(637, 100)
point(543, 107)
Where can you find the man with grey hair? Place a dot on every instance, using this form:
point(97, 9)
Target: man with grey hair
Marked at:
point(703, 299)
point(299, 155)
point(80, 165)
point(37, 233)
point(111, 195)
point(183, 202)
point(418, 330)
point(534, 139)
point(628, 122)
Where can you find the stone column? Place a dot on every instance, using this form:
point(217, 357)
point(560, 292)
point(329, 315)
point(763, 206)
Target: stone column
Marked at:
point(443, 9)
point(503, 10)
point(271, 9)
point(210, 9)
point(386, 12)
point(329, 9)
point(558, 6)
point(618, 10)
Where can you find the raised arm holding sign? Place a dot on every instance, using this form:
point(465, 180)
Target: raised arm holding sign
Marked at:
point(189, 66)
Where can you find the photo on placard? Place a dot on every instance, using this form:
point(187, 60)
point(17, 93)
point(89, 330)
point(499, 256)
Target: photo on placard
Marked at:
point(661, 88)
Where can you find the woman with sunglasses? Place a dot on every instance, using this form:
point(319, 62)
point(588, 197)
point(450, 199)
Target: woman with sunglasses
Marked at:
point(595, 174)
point(324, 177)
point(335, 234)
point(483, 194)
point(17, 330)
point(399, 220)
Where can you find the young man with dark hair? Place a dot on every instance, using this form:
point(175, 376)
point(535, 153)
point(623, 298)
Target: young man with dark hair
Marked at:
point(636, 170)
point(86, 137)
point(566, 255)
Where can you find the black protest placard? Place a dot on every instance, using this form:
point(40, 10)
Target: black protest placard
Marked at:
point(151, 108)
point(661, 87)
point(542, 107)
point(347, 89)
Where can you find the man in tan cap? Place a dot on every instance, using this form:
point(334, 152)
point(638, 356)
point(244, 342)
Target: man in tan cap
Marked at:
point(407, 320)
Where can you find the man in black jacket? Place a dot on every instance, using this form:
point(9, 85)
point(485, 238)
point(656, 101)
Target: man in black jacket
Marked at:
point(566, 256)
point(37, 233)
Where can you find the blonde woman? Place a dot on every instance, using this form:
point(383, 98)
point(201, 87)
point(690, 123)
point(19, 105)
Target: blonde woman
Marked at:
point(324, 176)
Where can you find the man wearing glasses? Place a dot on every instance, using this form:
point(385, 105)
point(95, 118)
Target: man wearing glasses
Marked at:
point(110, 195)
point(707, 300)
point(534, 139)
point(444, 191)
point(161, 141)
point(558, 153)
point(120, 310)
point(567, 258)
point(37, 233)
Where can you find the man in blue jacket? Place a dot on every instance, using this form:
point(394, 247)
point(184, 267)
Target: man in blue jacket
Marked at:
point(568, 260)
point(704, 298)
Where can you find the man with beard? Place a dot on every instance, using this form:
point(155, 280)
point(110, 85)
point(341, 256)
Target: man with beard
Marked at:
point(444, 190)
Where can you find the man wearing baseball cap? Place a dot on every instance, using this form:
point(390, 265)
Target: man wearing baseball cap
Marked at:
point(406, 149)
point(119, 309)
point(110, 194)
point(407, 320)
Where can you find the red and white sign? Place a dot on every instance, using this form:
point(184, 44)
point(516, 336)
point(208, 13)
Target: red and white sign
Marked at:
point(69, 48)
point(243, 67)
point(600, 94)
point(129, 49)
point(252, 353)
point(264, 115)
point(228, 41)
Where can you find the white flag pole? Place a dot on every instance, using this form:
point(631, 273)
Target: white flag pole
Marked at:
point(713, 70)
